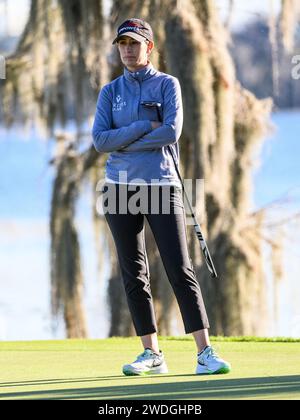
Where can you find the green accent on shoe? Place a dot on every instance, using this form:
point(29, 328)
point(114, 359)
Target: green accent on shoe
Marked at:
point(224, 369)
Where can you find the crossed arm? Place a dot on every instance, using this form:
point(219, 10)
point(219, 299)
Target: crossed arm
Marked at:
point(139, 135)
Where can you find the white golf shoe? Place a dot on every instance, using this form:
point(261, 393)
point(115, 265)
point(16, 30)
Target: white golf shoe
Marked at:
point(210, 363)
point(147, 363)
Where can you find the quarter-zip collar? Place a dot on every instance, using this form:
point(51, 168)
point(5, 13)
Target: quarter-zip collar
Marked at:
point(140, 75)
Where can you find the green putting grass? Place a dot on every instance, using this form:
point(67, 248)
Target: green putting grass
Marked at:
point(92, 369)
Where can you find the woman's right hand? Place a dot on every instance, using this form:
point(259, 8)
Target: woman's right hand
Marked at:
point(155, 124)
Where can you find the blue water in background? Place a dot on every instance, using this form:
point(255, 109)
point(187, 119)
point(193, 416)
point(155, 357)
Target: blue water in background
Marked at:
point(276, 183)
point(25, 187)
point(279, 170)
point(25, 176)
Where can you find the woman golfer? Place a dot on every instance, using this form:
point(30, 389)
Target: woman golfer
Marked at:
point(139, 164)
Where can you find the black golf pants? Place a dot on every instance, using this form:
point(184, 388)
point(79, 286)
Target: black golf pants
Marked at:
point(169, 229)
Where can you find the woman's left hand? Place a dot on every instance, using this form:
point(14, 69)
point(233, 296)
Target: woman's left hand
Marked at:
point(156, 124)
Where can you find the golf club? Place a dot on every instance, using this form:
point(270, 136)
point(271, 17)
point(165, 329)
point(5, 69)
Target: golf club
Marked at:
point(200, 237)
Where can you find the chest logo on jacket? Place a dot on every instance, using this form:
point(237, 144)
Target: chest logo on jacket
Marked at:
point(117, 106)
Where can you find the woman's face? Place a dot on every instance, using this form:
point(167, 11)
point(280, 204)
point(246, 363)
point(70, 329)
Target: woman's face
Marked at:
point(134, 54)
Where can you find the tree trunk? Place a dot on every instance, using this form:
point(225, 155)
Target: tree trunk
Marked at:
point(66, 275)
point(221, 128)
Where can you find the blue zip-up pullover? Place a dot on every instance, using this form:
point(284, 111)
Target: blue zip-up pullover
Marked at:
point(122, 127)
